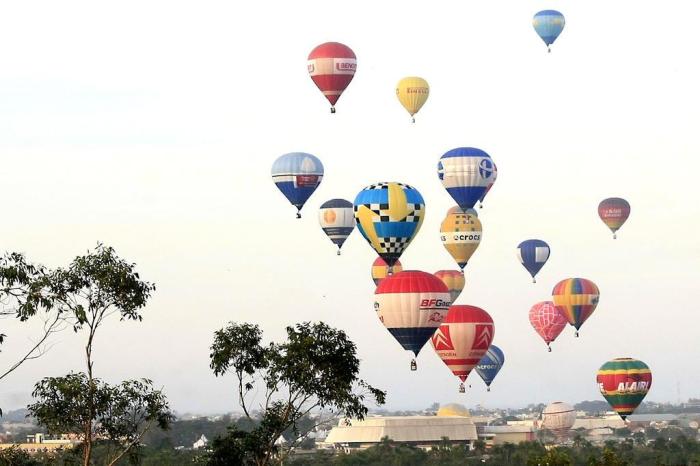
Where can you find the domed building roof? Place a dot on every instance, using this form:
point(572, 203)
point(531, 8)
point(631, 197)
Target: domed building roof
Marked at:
point(452, 410)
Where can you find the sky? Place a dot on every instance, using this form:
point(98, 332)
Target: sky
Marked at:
point(151, 126)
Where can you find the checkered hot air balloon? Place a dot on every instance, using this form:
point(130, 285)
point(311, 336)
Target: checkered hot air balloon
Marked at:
point(547, 321)
point(389, 216)
point(548, 25)
point(576, 299)
point(337, 220)
point(380, 270)
point(463, 339)
point(624, 382)
point(490, 365)
point(466, 173)
point(332, 66)
point(411, 305)
point(297, 175)
point(533, 254)
point(614, 212)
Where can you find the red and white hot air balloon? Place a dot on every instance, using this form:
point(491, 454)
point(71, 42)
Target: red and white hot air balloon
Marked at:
point(411, 305)
point(547, 321)
point(332, 67)
point(463, 338)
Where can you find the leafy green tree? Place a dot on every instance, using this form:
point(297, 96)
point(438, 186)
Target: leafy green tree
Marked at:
point(119, 414)
point(13, 456)
point(314, 370)
point(92, 288)
point(553, 457)
point(26, 290)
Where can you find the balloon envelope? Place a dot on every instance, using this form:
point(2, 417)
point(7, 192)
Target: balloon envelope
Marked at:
point(547, 321)
point(297, 175)
point(576, 299)
point(337, 220)
point(463, 338)
point(411, 305)
point(460, 234)
point(533, 253)
point(490, 364)
point(624, 382)
point(548, 24)
point(465, 173)
point(559, 418)
point(389, 216)
point(412, 92)
point(332, 66)
point(614, 212)
point(380, 269)
point(453, 280)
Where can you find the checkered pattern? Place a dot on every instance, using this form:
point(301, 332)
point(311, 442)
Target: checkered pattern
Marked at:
point(393, 245)
point(385, 185)
point(382, 210)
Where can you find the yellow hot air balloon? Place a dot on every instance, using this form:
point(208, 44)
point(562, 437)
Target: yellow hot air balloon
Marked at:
point(412, 92)
point(460, 234)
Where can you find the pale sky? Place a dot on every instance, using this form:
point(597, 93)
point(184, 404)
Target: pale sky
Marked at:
point(152, 126)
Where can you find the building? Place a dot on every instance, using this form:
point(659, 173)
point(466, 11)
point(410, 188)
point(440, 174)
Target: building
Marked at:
point(43, 443)
point(497, 435)
point(452, 422)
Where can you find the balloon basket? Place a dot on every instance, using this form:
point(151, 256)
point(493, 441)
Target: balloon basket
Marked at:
point(614, 235)
point(332, 109)
point(549, 349)
point(533, 280)
point(298, 215)
point(488, 389)
point(413, 120)
point(461, 388)
point(338, 251)
point(414, 366)
point(576, 334)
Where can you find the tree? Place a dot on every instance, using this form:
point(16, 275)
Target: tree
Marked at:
point(120, 414)
point(92, 288)
point(314, 370)
point(26, 290)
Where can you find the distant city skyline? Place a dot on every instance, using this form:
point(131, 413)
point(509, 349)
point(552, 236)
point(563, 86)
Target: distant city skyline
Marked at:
point(152, 126)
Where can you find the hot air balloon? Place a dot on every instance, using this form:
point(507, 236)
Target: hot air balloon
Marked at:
point(463, 339)
point(457, 210)
point(614, 212)
point(547, 321)
point(465, 173)
point(490, 365)
point(297, 175)
point(332, 66)
point(389, 216)
point(380, 269)
point(453, 280)
point(548, 24)
point(411, 305)
point(460, 233)
point(559, 418)
point(533, 253)
point(412, 92)
point(337, 220)
point(624, 382)
point(489, 186)
point(576, 299)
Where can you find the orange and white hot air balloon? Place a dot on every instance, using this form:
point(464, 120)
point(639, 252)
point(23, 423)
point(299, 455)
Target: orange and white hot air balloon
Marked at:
point(463, 339)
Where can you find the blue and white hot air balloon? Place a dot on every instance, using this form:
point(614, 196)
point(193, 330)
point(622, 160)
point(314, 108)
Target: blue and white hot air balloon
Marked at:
point(297, 175)
point(533, 254)
point(548, 24)
point(466, 173)
point(490, 364)
point(337, 219)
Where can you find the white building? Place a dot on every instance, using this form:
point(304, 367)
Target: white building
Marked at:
point(451, 422)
